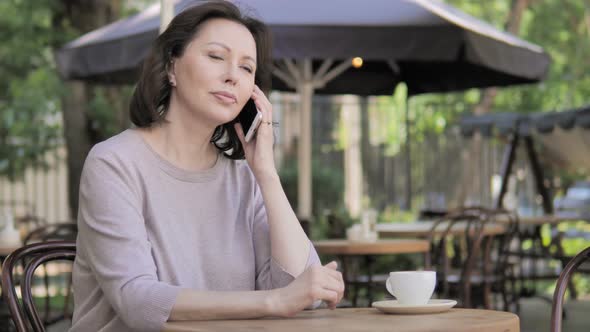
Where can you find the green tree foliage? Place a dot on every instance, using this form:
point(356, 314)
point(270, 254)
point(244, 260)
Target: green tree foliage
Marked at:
point(31, 91)
point(561, 27)
point(327, 189)
point(30, 87)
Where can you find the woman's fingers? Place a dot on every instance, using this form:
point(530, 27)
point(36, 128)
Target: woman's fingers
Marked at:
point(266, 118)
point(261, 107)
point(332, 281)
point(331, 270)
point(263, 104)
point(262, 97)
point(335, 287)
point(329, 296)
point(343, 287)
point(334, 273)
point(332, 265)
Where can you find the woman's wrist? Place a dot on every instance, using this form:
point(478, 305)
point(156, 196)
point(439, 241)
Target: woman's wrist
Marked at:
point(267, 175)
point(272, 302)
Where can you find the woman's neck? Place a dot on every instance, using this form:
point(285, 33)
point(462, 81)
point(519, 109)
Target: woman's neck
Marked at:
point(184, 141)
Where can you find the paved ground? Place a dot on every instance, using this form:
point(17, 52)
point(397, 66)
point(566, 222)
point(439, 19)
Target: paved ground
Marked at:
point(535, 316)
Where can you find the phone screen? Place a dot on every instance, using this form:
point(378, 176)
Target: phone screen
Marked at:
point(247, 115)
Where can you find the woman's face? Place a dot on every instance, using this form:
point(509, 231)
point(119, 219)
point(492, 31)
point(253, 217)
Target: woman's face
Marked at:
point(214, 78)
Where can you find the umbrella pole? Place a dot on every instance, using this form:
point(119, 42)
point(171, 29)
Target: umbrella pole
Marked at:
point(304, 191)
point(301, 77)
point(166, 13)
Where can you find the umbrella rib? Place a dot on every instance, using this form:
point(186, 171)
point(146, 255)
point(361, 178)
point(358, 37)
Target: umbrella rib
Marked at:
point(283, 77)
point(343, 66)
point(394, 66)
point(323, 69)
point(292, 69)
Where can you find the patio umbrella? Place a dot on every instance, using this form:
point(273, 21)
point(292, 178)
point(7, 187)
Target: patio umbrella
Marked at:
point(429, 45)
point(564, 135)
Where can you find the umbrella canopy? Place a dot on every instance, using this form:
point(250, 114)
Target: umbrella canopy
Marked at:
point(564, 136)
point(429, 45)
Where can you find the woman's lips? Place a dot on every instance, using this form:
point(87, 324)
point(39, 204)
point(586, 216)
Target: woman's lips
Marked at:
point(224, 98)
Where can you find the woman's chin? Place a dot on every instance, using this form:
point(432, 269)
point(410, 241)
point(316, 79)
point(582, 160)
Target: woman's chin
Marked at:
point(225, 116)
point(224, 120)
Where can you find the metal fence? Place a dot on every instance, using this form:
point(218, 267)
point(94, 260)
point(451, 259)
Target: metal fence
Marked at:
point(439, 163)
point(447, 168)
point(40, 192)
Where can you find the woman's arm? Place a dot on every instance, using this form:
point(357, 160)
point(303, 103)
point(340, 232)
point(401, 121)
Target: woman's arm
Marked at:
point(203, 305)
point(316, 283)
point(289, 244)
point(290, 247)
point(113, 240)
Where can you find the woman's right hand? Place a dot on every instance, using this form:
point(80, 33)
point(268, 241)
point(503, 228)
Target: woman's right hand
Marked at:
point(316, 283)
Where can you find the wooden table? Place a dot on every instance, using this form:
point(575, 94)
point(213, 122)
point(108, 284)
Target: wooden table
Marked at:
point(363, 319)
point(5, 251)
point(547, 219)
point(379, 247)
point(422, 229)
point(346, 250)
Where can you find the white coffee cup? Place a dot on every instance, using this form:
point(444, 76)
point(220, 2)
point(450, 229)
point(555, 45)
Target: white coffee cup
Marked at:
point(411, 287)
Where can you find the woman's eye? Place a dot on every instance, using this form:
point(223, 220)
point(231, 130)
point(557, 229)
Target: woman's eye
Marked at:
point(213, 56)
point(248, 69)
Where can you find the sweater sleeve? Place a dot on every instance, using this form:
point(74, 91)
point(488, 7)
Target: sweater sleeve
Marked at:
point(113, 238)
point(269, 273)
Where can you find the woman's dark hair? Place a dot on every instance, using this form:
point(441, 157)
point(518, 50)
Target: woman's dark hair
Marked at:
point(151, 98)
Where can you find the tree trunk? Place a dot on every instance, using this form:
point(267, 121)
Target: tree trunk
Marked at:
point(472, 155)
point(83, 16)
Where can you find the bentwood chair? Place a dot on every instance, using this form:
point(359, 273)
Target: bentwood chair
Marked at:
point(66, 231)
point(562, 284)
point(478, 263)
point(24, 315)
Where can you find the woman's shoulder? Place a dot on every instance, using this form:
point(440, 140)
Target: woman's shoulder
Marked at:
point(117, 157)
point(239, 173)
point(122, 145)
point(241, 169)
point(121, 153)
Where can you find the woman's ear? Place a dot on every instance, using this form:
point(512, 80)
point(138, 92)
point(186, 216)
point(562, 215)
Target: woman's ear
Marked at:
point(171, 72)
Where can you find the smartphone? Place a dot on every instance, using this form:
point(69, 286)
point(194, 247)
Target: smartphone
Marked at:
point(249, 117)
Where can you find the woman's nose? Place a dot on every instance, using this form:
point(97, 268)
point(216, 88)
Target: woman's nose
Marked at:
point(231, 75)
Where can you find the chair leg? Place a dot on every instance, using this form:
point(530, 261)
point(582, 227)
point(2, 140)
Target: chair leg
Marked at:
point(487, 294)
point(47, 297)
point(557, 242)
point(355, 295)
point(504, 294)
point(369, 266)
point(68, 297)
point(572, 288)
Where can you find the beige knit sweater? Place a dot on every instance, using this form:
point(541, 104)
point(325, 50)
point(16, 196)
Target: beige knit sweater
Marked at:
point(148, 229)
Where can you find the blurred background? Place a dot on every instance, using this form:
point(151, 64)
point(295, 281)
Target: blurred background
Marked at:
point(398, 155)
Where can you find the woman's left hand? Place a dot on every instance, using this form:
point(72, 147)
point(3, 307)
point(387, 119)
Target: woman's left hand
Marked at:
point(259, 150)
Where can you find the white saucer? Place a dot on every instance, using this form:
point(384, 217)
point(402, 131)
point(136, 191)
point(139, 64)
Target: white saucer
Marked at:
point(433, 306)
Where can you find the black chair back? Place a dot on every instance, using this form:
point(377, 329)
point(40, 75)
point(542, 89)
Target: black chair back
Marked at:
point(562, 284)
point(66, 231)
point(474, 252)
point(25, 317)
